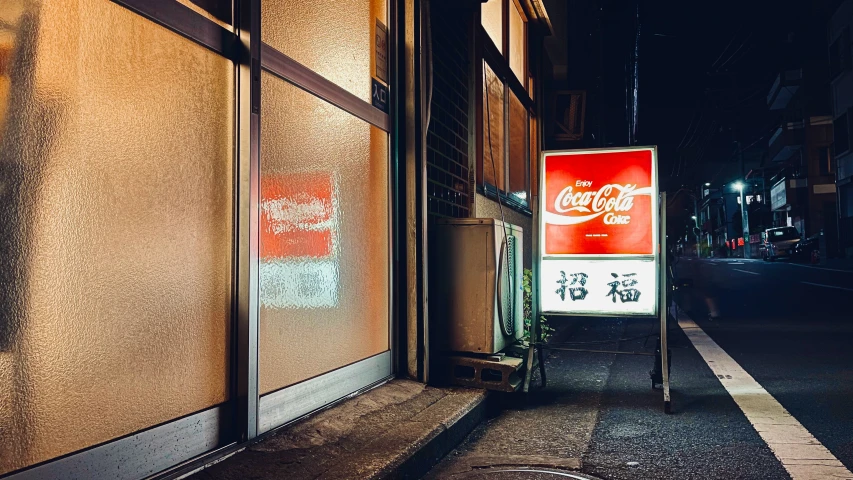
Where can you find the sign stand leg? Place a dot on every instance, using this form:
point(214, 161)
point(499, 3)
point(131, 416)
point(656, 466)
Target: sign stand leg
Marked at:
point(534, 310)
point(664, 306)
point(529, 362)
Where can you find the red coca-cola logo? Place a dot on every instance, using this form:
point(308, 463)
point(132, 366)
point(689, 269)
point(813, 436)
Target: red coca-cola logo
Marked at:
point(599, 202)
point(612, 201)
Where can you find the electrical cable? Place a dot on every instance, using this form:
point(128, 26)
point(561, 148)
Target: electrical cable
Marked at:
point(742, 55)
point(676, 163)
point(676, 166)
point(427, 13)
point(748, 37)
point(759, 92)
point(772, 129)
point(734, 36)
point(687, 142)
point(689, 127)
point(625, 339)
point(645, 338)
point(704, 147)
point(500, 206)
point(691, 141)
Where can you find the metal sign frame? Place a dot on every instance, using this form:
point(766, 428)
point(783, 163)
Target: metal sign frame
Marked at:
point(655, 256)
point(658, 206)
point(664, 307)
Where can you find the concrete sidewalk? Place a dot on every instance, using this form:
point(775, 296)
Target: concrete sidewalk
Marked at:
point(397, 430)
point(546, 434)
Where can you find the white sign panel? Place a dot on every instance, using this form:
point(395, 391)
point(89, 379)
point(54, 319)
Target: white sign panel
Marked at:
point(600, 287)
point(778, 197)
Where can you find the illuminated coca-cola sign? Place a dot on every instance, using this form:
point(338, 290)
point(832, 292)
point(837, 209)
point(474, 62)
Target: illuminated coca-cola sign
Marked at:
point(610, 200)
point(599, 202)
point(599, 232)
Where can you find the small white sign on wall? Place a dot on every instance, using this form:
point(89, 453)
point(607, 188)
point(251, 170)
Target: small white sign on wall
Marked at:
point(381, 49)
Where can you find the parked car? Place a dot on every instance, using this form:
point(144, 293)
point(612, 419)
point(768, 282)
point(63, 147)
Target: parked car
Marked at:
point(802, 250)
point(779, 242)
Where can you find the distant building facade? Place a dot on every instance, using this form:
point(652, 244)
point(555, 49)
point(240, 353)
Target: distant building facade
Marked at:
point(841, 95)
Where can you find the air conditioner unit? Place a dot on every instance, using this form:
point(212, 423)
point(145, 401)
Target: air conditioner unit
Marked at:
point(475, 291)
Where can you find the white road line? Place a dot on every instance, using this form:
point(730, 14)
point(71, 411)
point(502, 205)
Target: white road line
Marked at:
point(746, 271)
point(802, 455)
point(828, 286)
point(817, 268)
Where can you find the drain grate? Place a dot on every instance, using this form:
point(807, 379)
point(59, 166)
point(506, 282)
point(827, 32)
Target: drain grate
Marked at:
point(521, 473)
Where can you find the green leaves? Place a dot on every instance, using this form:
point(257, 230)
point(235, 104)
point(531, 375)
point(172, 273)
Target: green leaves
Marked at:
point(545, 330)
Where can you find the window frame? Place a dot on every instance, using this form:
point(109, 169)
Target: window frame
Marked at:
point(840, 55)
point(826, 164)
point(487, 53)
point(845, 117)
point(507, 41)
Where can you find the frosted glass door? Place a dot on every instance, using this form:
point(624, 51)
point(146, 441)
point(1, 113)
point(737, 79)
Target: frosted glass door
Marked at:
point(116, 141)
point(324, 237)
point(324, 213)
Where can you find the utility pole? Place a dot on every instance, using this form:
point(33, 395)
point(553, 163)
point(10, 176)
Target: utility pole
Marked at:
point(710, 223)
point(744, 215)
point(696, 226)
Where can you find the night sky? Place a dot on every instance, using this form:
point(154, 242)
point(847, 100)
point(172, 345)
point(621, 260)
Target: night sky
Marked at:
point(705, 72)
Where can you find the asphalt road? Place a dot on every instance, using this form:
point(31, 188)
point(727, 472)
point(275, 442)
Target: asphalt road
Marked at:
point(788, 326)
point(791, 327)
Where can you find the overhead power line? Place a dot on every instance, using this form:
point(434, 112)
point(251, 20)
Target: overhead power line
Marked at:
point(684, 137)
point(734, 36)
point(748, 37)
point(690, 142)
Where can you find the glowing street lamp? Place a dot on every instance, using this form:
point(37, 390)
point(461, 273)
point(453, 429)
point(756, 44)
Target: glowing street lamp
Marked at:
point(695, 232)
point(744, 221)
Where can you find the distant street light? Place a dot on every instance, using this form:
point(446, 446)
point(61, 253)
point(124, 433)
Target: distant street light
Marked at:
point(707, 184)
point(744, 220)
point(696, 230)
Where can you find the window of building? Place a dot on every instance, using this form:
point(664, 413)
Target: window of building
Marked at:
point(841, 134)
point(825, 161)
point(492, 13)
point(517, 161)
point(839, 54)
point(534, 156)
point(517, 41)
point(508, 126)
point(493, 129)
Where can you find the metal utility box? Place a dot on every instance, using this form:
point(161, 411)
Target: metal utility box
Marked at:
point(475, 292)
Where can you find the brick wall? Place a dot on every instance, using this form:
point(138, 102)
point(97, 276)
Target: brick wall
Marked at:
point(448, 189)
